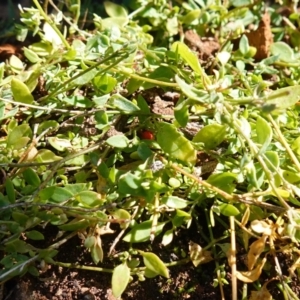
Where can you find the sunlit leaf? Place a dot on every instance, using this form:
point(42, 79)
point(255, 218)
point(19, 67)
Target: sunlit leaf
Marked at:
point(174, 202)
point(141, 232)
point(188, 56)
point(120, 279)
point(114, 10)
point(155, 264)
point(119, 102)
point(118, 141)
point(89, 198)
point(228, 210)
point(211, 135)
point(283, 98)
point(175, 144)
point(167, 237)
point(264, 133)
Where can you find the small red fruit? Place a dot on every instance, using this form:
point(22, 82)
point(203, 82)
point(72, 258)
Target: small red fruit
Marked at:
point(146, 135)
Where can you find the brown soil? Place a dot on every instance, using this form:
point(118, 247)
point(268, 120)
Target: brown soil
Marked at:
point(262, 37)
point(57, 283)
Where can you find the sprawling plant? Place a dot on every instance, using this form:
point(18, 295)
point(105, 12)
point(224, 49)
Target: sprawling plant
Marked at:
point(82, 146)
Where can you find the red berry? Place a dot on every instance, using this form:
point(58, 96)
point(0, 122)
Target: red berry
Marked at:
point(147, 135)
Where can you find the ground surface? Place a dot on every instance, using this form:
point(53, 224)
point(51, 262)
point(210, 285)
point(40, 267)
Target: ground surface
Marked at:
point(186, 281)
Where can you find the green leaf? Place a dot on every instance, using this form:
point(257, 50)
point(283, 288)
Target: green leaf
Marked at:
point(283, 50)
point(16, 64)
point(273, 158)
point(90, 241)
point(31, 55)
point(155, 264)
point(264, 133)
point(55, 193)
point(191, 92)
point(143, 105)
point(144, 151)
point(74, 225)
point(283, 98)
point(123, 215)
point(114, 10)
point(167, 237)
point(32, 270)
point(85, 77)
point(10, 190)
point(130, 183)
point(188, 56)
point(41, 48)
point(20, 91)
point(31, 177)
point(182, 115)
point(119, 102)
point(89, 198)
point(228, 210)
point(118, 141)
point(78, 101)
point(17, 246)
point(141, 232)
point(120, 279)
point(20, 217)
point(174, 202)
point(35, 235)
point(109, 23)
point(45, 155)
point(191, 16)
point(291, 177)
point(105, 83)
point(47, 124)
point(162, 73)
point(211, 136)
point(19, 137)
point(60, 144)
point(175, 144)
point(244, 45)
point(150, 274)
point(97, 253)
point(33, 79)
point(224, 181)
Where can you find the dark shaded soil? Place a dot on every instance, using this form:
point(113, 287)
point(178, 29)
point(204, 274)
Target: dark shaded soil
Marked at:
point(57, 283)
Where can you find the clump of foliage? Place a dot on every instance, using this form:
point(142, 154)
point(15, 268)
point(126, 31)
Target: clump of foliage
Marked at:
point(81, 148)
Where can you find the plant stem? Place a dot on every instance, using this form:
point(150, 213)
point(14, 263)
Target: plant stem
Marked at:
point(232, 259)
point(51, 23)
point(284, 143)
point(215, 254)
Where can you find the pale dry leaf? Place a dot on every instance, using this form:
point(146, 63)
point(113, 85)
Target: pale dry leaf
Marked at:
point(246, 216)
point(101, 185)
point(251, 276)
point(104, 230)
point(31, 154)
point(198, 255)
point(262, 227)
point(256, 248)
point(262, 294)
